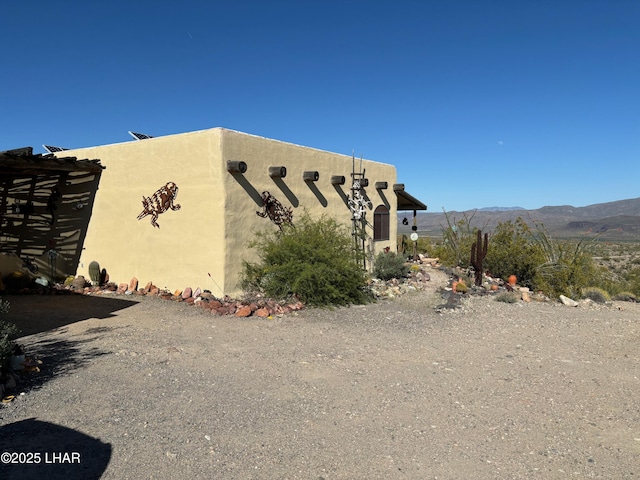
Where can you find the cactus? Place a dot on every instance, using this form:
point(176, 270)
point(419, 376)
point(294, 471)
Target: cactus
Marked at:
point(478, 252)
point(94, 273)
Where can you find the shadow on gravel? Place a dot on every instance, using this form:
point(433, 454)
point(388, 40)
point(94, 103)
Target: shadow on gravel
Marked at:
point(60, 357)
point(33, 449)
point(40, 313)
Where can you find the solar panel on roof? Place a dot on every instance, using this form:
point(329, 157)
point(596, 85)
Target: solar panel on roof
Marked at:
point(139, 136)
point(53, 149)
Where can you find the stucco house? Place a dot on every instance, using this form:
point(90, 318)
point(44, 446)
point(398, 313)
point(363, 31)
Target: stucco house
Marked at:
point(179, 210)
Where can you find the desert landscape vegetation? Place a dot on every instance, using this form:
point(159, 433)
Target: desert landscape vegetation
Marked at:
point(608, 233)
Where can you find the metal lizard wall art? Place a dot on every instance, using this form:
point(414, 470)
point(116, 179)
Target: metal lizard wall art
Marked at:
point(275, 211)
point(161, 201)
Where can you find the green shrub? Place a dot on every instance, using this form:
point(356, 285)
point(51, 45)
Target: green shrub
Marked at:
point(596, 294)
point(539, 261)
point(7, 330)
point(632, 279)
point(513, 251)
point(568, 266)
point(507, 297)
point(388, 265)
point(316, 260)
point(625, 297)
point(457, 238)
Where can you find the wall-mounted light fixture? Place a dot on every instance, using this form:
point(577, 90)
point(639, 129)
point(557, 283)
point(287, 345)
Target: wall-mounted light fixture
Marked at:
point(235, 166)
point(338, 180)
point(310, 176)
point(277, 172)
point(382, 185)
point(364, 182)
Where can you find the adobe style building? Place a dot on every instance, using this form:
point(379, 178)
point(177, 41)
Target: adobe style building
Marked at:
point(180, 210)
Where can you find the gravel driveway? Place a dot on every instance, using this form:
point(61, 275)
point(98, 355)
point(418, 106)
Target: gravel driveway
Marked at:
point(393, 390)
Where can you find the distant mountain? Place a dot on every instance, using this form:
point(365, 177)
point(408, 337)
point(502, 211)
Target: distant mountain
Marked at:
point(499, 209)
point(614, 221)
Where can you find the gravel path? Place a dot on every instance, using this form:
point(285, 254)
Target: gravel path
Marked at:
point(393, 390)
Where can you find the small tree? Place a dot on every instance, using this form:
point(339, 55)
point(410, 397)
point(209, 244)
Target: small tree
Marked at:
point(315, 260)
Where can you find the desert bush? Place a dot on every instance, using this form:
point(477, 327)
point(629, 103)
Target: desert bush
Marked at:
point(405, 246)
point(514, 251)
point(568, 266)
point(457, 238)
point(7, 330)
point(315, 259)
point(596, 294)
point(540, 262)
point(388, 265)
point(424, 246)
point(625, 297)
point(507, 297)
point(632, 281)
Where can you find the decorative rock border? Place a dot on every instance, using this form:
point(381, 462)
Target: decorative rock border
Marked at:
point(204, 299)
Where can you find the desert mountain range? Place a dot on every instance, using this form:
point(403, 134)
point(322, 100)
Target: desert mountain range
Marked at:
point(611, 221)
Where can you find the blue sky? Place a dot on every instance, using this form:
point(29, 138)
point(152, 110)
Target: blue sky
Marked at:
point(477, 103)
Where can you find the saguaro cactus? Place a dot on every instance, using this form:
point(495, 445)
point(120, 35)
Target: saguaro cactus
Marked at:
point(478, 252)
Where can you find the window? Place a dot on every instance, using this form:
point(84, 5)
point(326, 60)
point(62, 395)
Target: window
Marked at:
point(381, 223)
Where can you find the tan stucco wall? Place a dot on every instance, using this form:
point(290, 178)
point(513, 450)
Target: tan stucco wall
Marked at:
point(189, 242)
point(217, 218)
point(261, 153)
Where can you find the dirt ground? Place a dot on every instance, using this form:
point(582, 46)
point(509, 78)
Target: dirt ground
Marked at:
point(150, 389)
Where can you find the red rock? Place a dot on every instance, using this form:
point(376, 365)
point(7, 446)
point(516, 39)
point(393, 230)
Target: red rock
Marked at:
point(147, 287)
point(133, 284)
point(189, 300)
point(196, 293)
point(154, 290)
point(243, 311)
point(227, 310)
point(177, 293)
point(122, 288)
point(263, 312)
point(186, 293)
point(214, 303)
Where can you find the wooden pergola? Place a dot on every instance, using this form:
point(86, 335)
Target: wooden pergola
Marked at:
point(45, 207)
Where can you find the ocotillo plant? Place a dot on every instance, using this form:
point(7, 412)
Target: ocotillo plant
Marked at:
point(478, 252)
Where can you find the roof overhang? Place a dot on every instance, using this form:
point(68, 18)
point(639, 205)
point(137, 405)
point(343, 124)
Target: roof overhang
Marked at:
point(22, 162)
point(405, 200)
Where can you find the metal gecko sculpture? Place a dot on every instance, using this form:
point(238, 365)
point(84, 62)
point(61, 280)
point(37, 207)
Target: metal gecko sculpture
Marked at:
point(275, 211)
point(161, 201)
